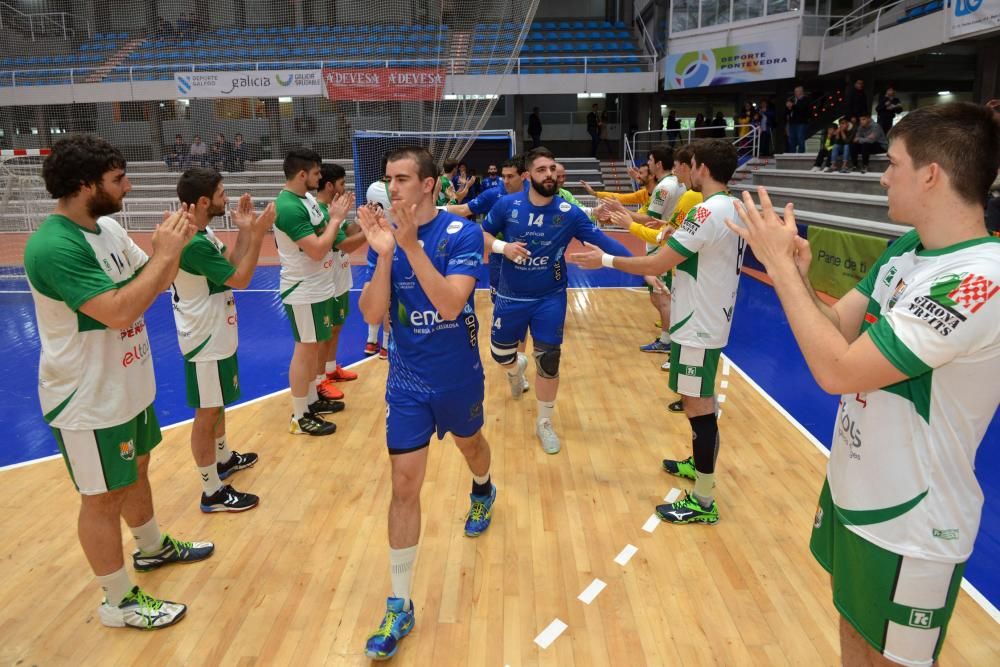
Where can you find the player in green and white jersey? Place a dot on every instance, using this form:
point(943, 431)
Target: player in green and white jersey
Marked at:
point(332, 192)
point(91, 285)
point(205, 315)
point(914, 350)
point(306, 236)
point(708, 257)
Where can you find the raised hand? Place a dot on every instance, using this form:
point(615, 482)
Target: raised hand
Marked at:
point(377, 230)
point(173, 233)
point(262, 223)
point(243, 215)
point(621, 218)
point(405, 231)
point(339, 207)
point(587, 259)
point(771, 236)
point(586, 186)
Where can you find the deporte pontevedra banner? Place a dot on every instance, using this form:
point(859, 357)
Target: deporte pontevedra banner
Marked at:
point(730, 64)
point(252, 83)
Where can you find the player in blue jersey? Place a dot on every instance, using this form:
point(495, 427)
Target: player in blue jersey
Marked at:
point(531, 291)
point(423, 266)
point(492, 178)
point(484, 201)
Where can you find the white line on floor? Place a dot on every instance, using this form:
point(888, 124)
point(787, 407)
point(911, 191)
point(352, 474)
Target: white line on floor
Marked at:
point(591, 591)
point(549, 634)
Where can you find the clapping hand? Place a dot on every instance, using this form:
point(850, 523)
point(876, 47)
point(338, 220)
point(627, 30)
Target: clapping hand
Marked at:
point(377, 230)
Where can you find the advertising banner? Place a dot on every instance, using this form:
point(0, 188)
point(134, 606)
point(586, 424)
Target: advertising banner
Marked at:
point(267, 83)
point(384, 84)
point(841, 259)
point(967, 17)
point(731, 64)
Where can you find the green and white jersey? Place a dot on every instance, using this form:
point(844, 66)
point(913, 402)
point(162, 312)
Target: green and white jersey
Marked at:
point(303, 280)
point(665, 197)
point(705, 283)
point(341, 273)
point(901, 468)
point(204, 308)
point(89, 376)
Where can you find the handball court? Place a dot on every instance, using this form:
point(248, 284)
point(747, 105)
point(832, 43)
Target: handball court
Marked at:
point(302, 579)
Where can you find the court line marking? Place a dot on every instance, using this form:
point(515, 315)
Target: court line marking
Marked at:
point(672, 495)
point(626, 554)
point(967, 586)
point(550, 633)
point(651, 523)
point(591, 591)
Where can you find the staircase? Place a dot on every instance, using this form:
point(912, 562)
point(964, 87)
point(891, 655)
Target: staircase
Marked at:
point(116, 59)
point(459, 50)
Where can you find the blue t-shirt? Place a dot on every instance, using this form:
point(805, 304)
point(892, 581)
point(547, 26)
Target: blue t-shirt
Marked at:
point(485, 200)
point(428, 354)
point(546, 231)
point(491, 182)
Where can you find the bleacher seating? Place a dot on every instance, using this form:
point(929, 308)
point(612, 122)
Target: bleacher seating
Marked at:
point(922, 9)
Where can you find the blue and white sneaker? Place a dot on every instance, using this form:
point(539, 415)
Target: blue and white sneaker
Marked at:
point(171, 551)
point(481, 513)
point(396, 624)
point(656, 346)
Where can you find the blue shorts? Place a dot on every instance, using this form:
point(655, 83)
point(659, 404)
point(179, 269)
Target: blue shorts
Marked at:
point(545, 318)
point(412, 417)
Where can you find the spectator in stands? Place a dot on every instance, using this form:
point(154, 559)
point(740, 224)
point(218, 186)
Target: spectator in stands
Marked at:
point(164, 28)
point(841, 152)
point(198, 152)
point(741, 121)
point(868, 140)
point(535, 128)
point(718, 126)
point(798, 121)
point(240, 153)
point(221, 153)
point(887, 108)
point(462, 180)
point(857, 102)
point(492, 179)
point(825, 150)
point(594, 129)
point(699, 126)
point(767, 121)
point(183, 26)
point(177, 158)
point(673, 128)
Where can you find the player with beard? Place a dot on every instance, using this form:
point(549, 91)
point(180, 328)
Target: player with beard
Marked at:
point(531, 292)
point(91, 285)
point(205, 315)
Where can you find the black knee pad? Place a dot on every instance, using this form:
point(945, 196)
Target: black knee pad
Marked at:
point(546, 359)
point(503, 354)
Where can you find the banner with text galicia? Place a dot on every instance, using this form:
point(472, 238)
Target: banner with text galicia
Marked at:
point(263, 83)
point(841, 259)
point(384, 84)
point(968, 17)
point(730, 64)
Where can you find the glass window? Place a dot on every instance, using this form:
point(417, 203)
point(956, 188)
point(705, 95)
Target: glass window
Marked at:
point(715, 12)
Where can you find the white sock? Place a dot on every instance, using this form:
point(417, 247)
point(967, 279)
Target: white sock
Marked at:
point(300, 405)
point(210, 482)
point(545, 410)
point(486, 476)
point(147, 536)
point(372, 333)
point(222, 451)
point(665, 337)
point(311, 394)
point(385, 339)
point(331, 366)
point(401, 571)
point(704, 485)
point(115, 586)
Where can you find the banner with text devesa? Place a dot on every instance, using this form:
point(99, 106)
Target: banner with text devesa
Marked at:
point(742, 63)
point(969, 17)
point(384, 84)
point(841, 259)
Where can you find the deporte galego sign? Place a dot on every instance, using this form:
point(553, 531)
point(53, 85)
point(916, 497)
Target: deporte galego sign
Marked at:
point(264, 83)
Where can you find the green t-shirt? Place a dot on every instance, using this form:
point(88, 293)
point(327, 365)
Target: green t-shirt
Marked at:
point(204, 307)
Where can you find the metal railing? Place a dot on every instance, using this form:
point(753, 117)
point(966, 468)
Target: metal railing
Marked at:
point(864, 21)
point(44, 24)
point(647, 41)
point(747, 144)
point(739, 11)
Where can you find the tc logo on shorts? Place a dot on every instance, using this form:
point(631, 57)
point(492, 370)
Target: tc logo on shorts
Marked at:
point(921, 618)
point(690, 370)
point(127, 450)
point(236, 382)
point(818, 521)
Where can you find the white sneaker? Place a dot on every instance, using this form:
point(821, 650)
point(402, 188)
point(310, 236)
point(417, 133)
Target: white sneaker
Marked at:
point(816, 169)
point(139, 610)
point(518, 384)
point(665, 366)
point(547, 436)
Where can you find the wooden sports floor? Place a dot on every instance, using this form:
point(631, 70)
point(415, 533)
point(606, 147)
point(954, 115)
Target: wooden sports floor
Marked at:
point(302, 579)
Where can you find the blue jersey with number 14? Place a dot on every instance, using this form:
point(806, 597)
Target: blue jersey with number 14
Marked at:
point(546, 231)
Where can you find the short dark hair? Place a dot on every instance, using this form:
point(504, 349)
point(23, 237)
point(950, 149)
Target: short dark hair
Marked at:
point(197, 182)
point(421, 156)
point(450, 165)
point(683, 154)
point(178, 136)
point(718, 155)
point(78, 160)
point(511, 162)
point(518, 161)
point(330, 172)
point(663, 154)
point(963, 138)
point(534, 154)
point(300, 159)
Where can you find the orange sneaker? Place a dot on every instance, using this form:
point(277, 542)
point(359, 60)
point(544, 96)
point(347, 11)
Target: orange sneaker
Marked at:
point(341, 375)
point(327, 390)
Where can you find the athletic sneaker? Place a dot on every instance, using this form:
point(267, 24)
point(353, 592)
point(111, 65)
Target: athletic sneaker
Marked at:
point(383, 353)
point(676, 406)
point(341, 374)
point(547, 436)
point(656, 346)
point(235, 463)
point(328, 391)
point(481, 513)
point(517, 382)
point(396, 624)
point(816, 169)
point(311, 424)
point(142, 611)
point(371, 349)
point(665, 366)
point(325, 407)
point(688, 510)
point(829, 170)
point(864, 170)
point(228, 499)
point(683, 468)
point(171, 551)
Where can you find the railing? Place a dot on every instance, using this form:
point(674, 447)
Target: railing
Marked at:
point(862, 21)
point(647, 41)
point(43, 22)
point(639, 144)
point(697, 14)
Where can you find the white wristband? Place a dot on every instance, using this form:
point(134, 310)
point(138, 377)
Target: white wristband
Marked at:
point(608, 260)
point(498, 246)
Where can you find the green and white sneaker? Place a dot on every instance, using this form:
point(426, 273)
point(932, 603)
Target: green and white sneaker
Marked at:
point(688, 510)
point(683, 468)
point(171, 551)
point(142, 611)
